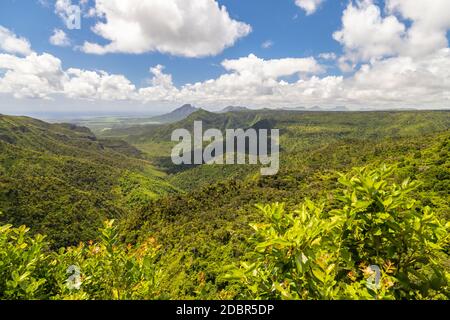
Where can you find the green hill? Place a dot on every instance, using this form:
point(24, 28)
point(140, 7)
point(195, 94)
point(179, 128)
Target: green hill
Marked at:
point(60, 180)
point(303, 134)
point(162, 133)
point(176, 115)
point(208, 228)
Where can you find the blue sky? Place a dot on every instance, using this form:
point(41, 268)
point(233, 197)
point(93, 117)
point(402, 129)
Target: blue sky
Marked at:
point(293, 33)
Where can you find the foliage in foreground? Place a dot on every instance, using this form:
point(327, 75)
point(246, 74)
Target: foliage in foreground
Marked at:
point(313, 254)
point(309, 253)
point(107, 270)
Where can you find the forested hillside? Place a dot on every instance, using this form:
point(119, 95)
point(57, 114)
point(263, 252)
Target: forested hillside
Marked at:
point(198, 233)
point(220, 214)
point(63, 181)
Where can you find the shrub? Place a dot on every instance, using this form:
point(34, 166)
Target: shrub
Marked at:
point(104, 270)
point(24, 269)
point(313, 254)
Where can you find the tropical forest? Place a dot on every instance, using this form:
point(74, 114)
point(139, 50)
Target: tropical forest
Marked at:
point(105, 214)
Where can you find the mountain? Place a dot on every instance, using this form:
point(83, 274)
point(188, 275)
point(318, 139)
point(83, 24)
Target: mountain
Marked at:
point(294, 109)
point(210, 120)
point(234, 109)
point(60, 139)
point(176, 115)
point(61, 180)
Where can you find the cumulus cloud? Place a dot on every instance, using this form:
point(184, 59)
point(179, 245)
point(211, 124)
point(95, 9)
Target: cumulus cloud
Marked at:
point(328, 56)
point(62, 7)
point(247, 78)
point(11, 43)
point(431, 21)
point(368, 34)
point(407, 81)
point(392, 82)
point(252, 66)
point(192, 28)
point(161, 89)
point(93, 85)
point(59, 38)
point(390, 69)
point(396, 81)
point(34, 76)
point(42, 76)
point(310, 6)
point(160, 79)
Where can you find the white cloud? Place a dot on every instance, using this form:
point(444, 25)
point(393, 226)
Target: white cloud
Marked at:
point(35, 76)
point(72, 12)
point(42, 76)
point(192, 28)
point(97, 85)
point(63, 9)
point(160, 79)
point(267, 44)
point(59, 38)
point(393, 82)
point(390, 70)
point(161, 89)
point(310, 6)
point(431, 21)
point(62, 6)
point(328, 56)
point(396, 81)
point(252, 66)
point(247, 78)
point(404, 81)
point(10, 43)
point(366, 35)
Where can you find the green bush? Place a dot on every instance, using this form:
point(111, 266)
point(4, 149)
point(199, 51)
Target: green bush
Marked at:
point(310, 253)
point(313, 251)
point(105, 270)
point(24, 267)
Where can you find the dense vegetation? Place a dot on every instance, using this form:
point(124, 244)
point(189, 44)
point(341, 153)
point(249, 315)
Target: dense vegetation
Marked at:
point(224, 232)
point(311, 253)
point(62, 181)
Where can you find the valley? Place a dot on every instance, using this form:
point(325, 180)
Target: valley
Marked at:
point(213, 158)
point(62, 180)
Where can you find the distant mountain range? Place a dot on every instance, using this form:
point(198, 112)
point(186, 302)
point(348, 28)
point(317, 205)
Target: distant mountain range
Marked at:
point(318, 109)
point(234, 109)
point(177, 115)
point(187, 109)
point(294, 109)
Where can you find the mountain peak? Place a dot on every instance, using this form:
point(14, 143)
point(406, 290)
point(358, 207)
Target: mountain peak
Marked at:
point(185, 106)
point(234, 109)
point(176, 115)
